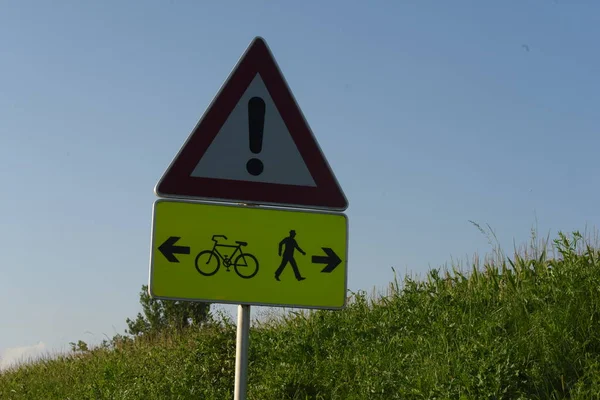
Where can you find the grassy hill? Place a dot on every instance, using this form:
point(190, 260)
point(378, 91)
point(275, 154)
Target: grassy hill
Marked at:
point(526, 328)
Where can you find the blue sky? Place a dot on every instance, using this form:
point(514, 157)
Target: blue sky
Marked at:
point(430, 113)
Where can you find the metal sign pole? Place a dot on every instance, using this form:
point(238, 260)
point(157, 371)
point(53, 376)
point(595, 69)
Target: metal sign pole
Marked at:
point(241, 352)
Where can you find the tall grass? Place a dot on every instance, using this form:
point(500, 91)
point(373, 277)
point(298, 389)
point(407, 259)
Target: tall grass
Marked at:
point(520, 327)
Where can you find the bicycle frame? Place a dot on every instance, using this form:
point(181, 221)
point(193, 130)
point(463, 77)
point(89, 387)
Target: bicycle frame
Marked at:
point(215, 251)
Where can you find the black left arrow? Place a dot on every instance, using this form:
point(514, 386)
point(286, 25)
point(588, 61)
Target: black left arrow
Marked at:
point(331, 259)
point(168, 249)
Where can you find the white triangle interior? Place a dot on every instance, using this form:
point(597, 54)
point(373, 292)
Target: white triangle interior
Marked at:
point(229, 152)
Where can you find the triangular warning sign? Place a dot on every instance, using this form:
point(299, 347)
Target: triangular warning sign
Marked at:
point(253, 145)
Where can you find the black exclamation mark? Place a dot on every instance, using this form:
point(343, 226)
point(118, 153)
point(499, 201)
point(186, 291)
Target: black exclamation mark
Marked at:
point(256, 124)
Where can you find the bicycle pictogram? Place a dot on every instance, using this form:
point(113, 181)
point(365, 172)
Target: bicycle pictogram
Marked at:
point(208, 262)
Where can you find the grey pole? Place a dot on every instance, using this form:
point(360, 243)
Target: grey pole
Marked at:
point(241, 352)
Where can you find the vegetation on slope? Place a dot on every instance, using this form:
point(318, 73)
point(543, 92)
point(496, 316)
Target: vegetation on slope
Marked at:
point(526, 328)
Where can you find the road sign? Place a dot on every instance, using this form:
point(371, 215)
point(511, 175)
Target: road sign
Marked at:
point(248, 255)
point(253, 145)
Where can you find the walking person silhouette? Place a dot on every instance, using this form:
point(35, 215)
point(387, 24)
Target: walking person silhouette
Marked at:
point(288, 255)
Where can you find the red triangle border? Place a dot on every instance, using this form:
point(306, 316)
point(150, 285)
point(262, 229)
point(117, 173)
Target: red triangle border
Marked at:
point(177, 182)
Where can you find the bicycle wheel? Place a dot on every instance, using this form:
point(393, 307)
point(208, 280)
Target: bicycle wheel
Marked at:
point(246, 265)
point(207, 263)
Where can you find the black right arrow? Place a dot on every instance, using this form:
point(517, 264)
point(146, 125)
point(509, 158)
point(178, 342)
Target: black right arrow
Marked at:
point(331, 259)
point(168, 249)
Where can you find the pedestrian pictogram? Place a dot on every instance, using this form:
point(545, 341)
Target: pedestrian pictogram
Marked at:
point(253, 145)
point(285, 257)
point(290, 245)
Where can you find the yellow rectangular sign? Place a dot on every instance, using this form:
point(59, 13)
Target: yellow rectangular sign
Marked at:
point(248, 255)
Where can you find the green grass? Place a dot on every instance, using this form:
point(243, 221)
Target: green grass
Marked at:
point(520, 328)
